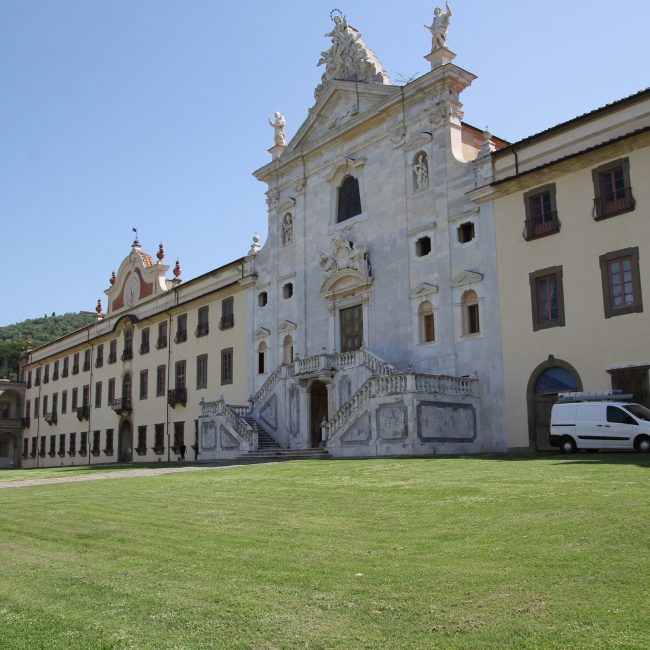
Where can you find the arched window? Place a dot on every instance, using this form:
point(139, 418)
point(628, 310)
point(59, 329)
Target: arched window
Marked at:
point(261, 358)
point(287, 349)
point(420, 171)
point(349, 199)
point(427, 327)
point(471, 320)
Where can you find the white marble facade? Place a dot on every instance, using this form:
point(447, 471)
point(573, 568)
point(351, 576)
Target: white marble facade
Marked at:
point(418, 247)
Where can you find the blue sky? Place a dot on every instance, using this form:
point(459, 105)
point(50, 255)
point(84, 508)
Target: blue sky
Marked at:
point(153, 114)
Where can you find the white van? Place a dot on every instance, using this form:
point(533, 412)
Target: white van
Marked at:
point(602, 424)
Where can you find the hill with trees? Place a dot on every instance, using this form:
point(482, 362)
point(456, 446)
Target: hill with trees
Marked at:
point(14, 338)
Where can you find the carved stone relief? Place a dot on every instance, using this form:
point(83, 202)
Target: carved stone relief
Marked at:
point(209, 433)
point(391, 422)
point(344, 255)
point(359, 432)
point(269, 413)
point(446, 422)
point(228, 441)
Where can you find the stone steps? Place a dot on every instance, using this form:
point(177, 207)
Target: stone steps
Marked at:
point(288, 454)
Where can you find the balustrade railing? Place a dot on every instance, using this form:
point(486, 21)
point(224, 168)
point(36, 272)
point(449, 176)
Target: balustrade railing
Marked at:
point(234, 416)
point(266, 387)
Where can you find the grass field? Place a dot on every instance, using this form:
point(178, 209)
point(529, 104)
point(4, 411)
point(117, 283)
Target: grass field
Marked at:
point(483, 552)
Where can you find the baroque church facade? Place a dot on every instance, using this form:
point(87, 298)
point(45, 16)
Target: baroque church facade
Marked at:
point(374, 319)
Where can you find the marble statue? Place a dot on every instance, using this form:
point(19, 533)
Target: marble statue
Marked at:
point(439, 27)
point(287, 229)
point(279, 137)
point(421, 171)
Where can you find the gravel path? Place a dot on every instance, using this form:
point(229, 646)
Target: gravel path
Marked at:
point(132, 473)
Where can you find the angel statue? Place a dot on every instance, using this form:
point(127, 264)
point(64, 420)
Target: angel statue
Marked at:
point(279, 137)
point(439, 27)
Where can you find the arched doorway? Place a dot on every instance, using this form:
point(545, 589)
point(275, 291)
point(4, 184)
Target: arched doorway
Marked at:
point(547, 380)
point(125, 445)
point(317, 411)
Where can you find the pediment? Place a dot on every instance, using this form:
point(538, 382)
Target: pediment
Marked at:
point(344, 283)
point(425, 289)
point(261, 333)
point(287, 326)
point(418, 140)
point(466, 277)
point(339, 103)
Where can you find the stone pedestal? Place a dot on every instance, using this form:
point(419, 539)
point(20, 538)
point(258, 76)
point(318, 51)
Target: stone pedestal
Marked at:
point(441, 56)
point(276, 151)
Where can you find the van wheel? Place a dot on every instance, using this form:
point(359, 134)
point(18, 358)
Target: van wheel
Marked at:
point(642, 444)
point(567, 445)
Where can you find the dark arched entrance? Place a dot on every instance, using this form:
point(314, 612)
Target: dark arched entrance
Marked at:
point(547, 380)
point(317, 411)
point(125, 445)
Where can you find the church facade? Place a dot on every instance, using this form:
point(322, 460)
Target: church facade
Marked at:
point(374, 313)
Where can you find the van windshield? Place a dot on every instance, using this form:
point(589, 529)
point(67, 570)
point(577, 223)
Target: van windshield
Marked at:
point(639, 411)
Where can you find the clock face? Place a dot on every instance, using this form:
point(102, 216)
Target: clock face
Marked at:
point(131, 291)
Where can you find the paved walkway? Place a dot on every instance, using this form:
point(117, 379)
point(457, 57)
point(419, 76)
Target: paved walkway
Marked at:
point(128, 473)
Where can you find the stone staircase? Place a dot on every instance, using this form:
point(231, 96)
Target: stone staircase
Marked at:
point(287, 454)
point(265, 442)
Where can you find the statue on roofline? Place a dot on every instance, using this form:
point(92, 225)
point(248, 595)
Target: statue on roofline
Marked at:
point(439, 27)
point(279, 136)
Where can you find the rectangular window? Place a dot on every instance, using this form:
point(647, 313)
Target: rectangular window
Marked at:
point(98, 394)
point(428, 327)
point(25, 447)
point(127, 353)
point(29, 379)
point(37, 381)
point(75, 398)
point(109, 442)
point(85, 395)
point(52, 451)
point(541, 212)
point(227, 366)
point(72, 449)
point(75, 364)
point(112, 351)
point(161, 385)
point(65, 371)
point(144, 384)
point(28, 412)
point(64, 401)
point(62, 444)
point(99, 359)
point(612, 191)
point(351, 320)
point(42, 449)
point(45, 406)
point(547, 298)
point(46, 374)
point(179, 436)
point(96, 443)
point(83, 442)
point(111, 391)
point(621, 282)
point(36, 407)
point(203, 325)
point(473, 322)
point(144, 341)
point(227, 313)
point(86, 366)
point(202, 371)
point(34, 445)
point(181, 328)
point(180, 374)
point(55, 403)
point(162, 335)
point(159, 439)
point(142, 440)
point(55, 372)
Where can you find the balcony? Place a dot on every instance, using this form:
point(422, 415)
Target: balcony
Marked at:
point(227, 322)
point(181, 336)
point(202, 329)
point(14, 423)
point(122, 405)
point(161, 342)
point(95, 451)
point(83, 413)
point(127, 354)
point(61, 453)
point(536, 228)
point(159, 451)
point(51, 417)
point(177, 396)
point(613, 203)
point(72, 452)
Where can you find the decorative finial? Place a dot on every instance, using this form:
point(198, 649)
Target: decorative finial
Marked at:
point(177, 270)
point(136, 241)
point(113, 278)
point(255, 246)
point(161, 252)
point(98, 308)
point(279, 135)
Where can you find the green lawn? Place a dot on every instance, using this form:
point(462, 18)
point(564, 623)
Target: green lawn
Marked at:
point(489, 552)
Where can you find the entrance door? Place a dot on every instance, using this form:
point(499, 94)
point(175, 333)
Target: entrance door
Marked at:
point(351, 328)
point(318, 411)
point(125, 448)
point(634, 381)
